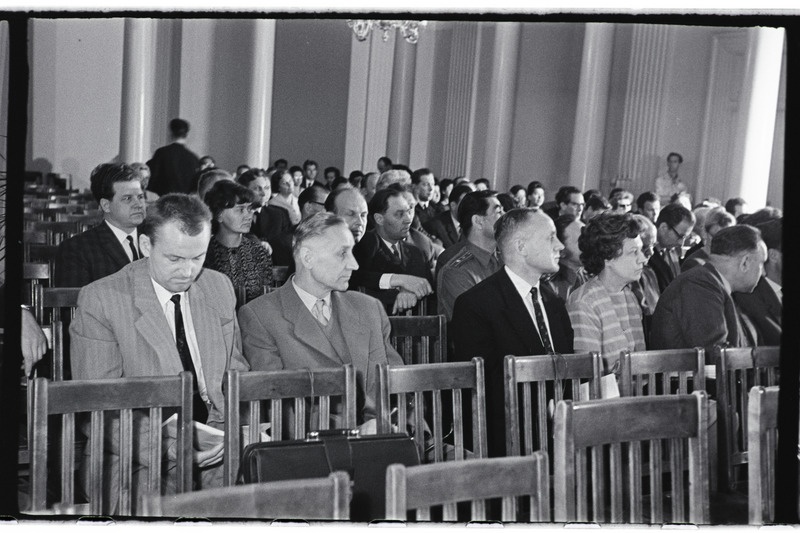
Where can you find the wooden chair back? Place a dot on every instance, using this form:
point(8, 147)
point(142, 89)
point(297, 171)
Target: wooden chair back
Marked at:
point(613, 425)
point(419, 339)
point(68, 398)
point(404, 387)
point(419, 488)
point(34, 275)
point(762, 440)
point(56, 231)
point(738, 371)
point(310, 499)
point(531, 382)
point(311, 390)
point(48, 299)
point(41, 253)
point(657, 372)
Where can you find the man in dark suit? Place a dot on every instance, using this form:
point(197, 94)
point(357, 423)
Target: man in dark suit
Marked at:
point(112, 244)
point(444, 225)
point(422, 181)
point(673, 226)
point(270, 223)
point(511, 312)
point(174, 166)
point(389, 268)
point(697, 308)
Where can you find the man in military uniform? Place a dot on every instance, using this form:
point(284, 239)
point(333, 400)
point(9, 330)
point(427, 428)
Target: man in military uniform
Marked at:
point(476, 261)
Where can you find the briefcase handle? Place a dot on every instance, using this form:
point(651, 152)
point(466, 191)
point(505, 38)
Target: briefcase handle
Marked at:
point(327, 434)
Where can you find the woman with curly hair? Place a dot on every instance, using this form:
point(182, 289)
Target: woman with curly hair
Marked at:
point(231, 251)
point(606, 315)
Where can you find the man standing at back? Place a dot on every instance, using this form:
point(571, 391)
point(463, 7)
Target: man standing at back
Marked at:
point(112, 244)
point(173, 166)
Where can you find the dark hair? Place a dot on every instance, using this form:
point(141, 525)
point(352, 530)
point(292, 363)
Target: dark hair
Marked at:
point(561, 225)
point(482, 180)
point(294, 168)
point(386, 161)
point(506, 200)
point(443, 184)
point(314, 226)
point(105, 175)
point(772, 233)
point(278, 162)
point(188, 211)
point(417, 174)
point(474, 203)
point(644, 198)
point(178, 127)
point(338, 180)
point(732, 204)
point(674, 214)
point(275, 179)
point(308, 162)
point(602, 238)
point(399, 166)
point(224, 195)
point(596, 203)
point(309, 194)
point(591, 193)
point(622, 193)
point(337, 173)
point(251, 175)
point(380, 201)
point(458, 192)
point(515, 189)
point(330, 201)
point(763, 215)
point(508, 224)
point(243, 165)
point(355, 178)
point(733, 240)
point(563, 194)
point(680, 157)
point(532, 186)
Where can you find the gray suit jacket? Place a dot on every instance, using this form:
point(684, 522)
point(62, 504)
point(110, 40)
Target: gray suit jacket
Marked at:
point(279, 332)
point(120, 331)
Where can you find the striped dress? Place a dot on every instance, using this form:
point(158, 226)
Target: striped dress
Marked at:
point(604, 322)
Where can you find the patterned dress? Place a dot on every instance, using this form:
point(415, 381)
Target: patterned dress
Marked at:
point(248, 265)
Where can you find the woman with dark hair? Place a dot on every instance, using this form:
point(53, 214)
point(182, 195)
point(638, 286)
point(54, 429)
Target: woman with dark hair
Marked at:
point(231, 251)
point(283, 185)
point(606, 314)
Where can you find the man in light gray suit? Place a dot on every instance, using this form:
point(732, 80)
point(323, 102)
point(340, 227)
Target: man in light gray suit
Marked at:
point(313, 321)
point(162, 315)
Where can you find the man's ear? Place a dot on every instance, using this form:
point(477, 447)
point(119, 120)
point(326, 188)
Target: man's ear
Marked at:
point(305, 256)
point(378, 217)
point(104, 205)
point(145, 244)
point(773, 255)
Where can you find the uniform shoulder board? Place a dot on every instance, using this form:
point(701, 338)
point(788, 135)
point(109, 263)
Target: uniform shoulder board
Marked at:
point(461, 259)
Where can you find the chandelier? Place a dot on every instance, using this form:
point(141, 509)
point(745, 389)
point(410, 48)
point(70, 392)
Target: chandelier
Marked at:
point(409, 28)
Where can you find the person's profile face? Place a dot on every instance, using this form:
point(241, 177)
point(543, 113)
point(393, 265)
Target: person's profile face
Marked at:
point(651, 210)
point(352, 207)
point(629, 264)
point(311, 172)
point(262, 188)
point(536, 198)
point(542, 248)
point(673, 162)
point(571, 234)
point(286, 184)
point(425, 187)
point(396, 221)
point(330, 258)
point(176, 258)
point(126, 209)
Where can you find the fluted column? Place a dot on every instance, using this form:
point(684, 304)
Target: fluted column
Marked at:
point(261, 93)
point(137, 89)
point(644, 95)
point(590, 117)
point(501, 104)
point(398, 143)
point(760, 101)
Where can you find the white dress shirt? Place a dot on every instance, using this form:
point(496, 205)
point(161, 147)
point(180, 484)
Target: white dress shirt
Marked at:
point(122, 237)
point(309, 300)
point(524, 290)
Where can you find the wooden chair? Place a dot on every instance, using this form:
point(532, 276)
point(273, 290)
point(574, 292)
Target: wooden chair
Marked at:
point(56, 231)
point(421, 487)
point(762, 440)
point(405, 387)
point(305, 387)
point(419, 339)
point(29, 238)
point(658, 372)
point(738, 371)
point(312, 499)
point(48, 299)
point(33, 276)
point(41, 253)
point(68, 398)
point(540, 379)
point(623, 423)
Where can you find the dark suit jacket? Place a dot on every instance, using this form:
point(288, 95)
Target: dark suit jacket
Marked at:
point(491, 321)
point(663, 273)
point(375, 259)
point(272, 224)
point(173, 168)
point(764, 309)
point(696, 310)
point(89, 256)
point(441, 226)
point(425, 214)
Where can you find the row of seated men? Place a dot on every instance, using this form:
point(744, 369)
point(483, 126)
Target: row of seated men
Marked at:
point(315, 321)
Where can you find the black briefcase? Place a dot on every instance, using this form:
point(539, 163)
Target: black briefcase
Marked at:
point(364, 458)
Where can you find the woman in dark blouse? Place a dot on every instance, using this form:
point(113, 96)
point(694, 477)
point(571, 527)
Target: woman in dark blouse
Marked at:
point(231, 250)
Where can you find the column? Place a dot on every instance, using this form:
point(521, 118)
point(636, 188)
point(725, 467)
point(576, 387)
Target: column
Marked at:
point(590, 118)
point(137, 90)
point(261, 93)
point(760, 103)
point(501, 103)
point(424, 74)
point(398, 142)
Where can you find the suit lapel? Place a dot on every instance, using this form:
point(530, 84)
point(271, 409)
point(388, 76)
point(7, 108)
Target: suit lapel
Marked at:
point(517, 315)
point(304, 325)
point(205, 319)
point(353, 330)
point(111, 245)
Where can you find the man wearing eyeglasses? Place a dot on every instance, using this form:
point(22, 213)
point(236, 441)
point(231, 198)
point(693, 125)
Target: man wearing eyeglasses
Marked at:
point(570, 202)
point(312, 201)
point(673, 226)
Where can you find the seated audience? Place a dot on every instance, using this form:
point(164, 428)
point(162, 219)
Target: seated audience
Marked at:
point(520, 196)
point(507, 201)
point(714, 220)
point(355, 178)
point(231, 250)
point(482, 184)
point(647, 204)
point(297, 176)
point(280, 164)
point(283, 184)
point(621, 202)
point(698, 231)
point(595, 205)
point(241, 169)
point(309, 174)
point(445, 226)
point(384, 164)
point(571, 273)
point(417, 236)
point(393, 176)
point(697, 309)
point(313, 321)
point(511, 312)
point(368, 185)
point(422, 182)
point(389, 268)
point(206, 163)
point(736, 207)
point(271, 224)
point(340, 182)
point(648, 282)
point(330, 175)
point(605, 313)
point(143, 174)
point(312, 201)
point(350, 205)
point(477, 260)
point(673, 226)
point(764, 214)
point(535, 192)
point(569, 201)
point(445, 187)
point(669, 183)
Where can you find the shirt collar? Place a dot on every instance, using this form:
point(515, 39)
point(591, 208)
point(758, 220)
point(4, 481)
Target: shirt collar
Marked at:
point(775, 287)
point(164, 295)
point(121, 235)
point(307, 298)
point(522, 286)
point(456, 223)
point(389, 245)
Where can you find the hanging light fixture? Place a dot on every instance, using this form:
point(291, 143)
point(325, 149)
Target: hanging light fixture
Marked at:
point(409, 28)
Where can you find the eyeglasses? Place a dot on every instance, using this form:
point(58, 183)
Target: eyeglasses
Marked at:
point(578, 204)
point(678, 235)
point(317, 203)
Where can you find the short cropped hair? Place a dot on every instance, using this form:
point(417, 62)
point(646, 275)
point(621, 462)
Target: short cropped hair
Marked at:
point(474, 203)
point(224, 195)
point(105, 175)
point(734, 240)
point(506, 200)
point(309, 194)
point(515, 189)
point(509, 224)
point(592, 193)
point(763, 215)
point(278, 162)
point(335, 171)
point(417, 174)
point(386, 161)
point(309, 162)
point(178, 127)
point(562, 222)
point(188, 211)
point(380, 201)
point(733, 203)
point(294, 168)
point(339, 180)
point(645, 197)
point(596, 203)
point(679, 156)
point(772, 233)
point(563, 194)
point(482, 180)
point(314, 226)
point(208, 176)
point(251, 175)
point(674, 214)
point(458, 192)
point(532, 186)
point(602, 238)
point(717, 216)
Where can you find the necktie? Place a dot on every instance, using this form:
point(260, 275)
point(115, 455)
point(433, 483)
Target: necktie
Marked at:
point(199, 406)
point(319, 312)
point(134, 253)
point(540, 323)
point(396, 251)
